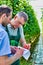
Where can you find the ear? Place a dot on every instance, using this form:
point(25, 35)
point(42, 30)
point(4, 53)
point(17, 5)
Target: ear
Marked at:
point(3, 16)
point(15, 17)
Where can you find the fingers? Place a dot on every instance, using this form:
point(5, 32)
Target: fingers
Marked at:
point(13, 51)
point(20, 51)
point(27, 46)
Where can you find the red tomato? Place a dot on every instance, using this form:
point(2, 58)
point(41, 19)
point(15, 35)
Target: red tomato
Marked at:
point(27, 46)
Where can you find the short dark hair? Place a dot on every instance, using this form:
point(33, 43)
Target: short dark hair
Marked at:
point(6, 10)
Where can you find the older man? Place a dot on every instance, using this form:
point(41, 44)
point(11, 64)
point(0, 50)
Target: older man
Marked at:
point(15, 31)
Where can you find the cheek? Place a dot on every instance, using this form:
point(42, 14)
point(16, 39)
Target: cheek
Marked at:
point(8, 20)
point(17, 25)
point(23, 22)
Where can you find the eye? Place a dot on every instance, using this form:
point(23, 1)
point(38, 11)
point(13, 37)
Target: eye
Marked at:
point(19, 22)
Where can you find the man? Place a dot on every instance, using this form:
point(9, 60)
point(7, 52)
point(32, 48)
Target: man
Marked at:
point(15, 31)
point(5, 16)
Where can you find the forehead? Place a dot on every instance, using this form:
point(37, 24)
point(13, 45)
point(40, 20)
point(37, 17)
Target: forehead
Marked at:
point(21, 19)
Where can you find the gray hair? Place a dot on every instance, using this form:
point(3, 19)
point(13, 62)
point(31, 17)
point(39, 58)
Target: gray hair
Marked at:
point(22, 14)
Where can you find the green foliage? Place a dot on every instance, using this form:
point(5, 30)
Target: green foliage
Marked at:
point(42, 15)
point(31, 28)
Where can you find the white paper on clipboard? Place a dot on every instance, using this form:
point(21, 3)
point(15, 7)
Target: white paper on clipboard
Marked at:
point(26, 53)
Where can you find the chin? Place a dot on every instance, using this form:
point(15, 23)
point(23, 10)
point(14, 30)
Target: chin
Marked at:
point(16, 27)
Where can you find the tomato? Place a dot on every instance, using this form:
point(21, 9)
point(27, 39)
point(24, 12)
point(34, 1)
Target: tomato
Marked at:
point(27, 46)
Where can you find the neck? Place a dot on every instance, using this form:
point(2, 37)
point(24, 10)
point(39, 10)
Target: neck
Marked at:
point(3, 25)
point(0, 21)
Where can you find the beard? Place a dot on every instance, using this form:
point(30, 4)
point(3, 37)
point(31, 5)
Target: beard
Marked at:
point(4, 23)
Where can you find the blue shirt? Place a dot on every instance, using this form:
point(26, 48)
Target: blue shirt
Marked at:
point(4, 42)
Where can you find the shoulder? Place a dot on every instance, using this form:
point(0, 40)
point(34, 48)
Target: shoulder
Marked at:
point(2, 32)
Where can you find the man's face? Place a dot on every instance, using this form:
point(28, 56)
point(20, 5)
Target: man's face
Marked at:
point(6, 19)
point(18, 21)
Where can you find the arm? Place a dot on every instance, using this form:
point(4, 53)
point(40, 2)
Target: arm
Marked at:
point(5, 50)
point(22, 39)
point(8, 61)
point(24, 44)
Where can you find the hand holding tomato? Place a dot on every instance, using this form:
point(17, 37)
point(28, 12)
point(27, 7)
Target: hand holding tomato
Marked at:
point(27, 46)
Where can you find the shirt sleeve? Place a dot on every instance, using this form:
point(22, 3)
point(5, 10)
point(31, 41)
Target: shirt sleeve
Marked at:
point(4, 44)
point(21, 32)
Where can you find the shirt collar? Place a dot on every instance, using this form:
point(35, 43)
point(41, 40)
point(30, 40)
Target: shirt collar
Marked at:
point(2, 27)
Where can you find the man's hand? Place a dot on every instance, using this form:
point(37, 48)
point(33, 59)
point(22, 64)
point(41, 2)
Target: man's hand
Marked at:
point(13, 51)
point(19, 52)
point(16, 50)
point(27, 46)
